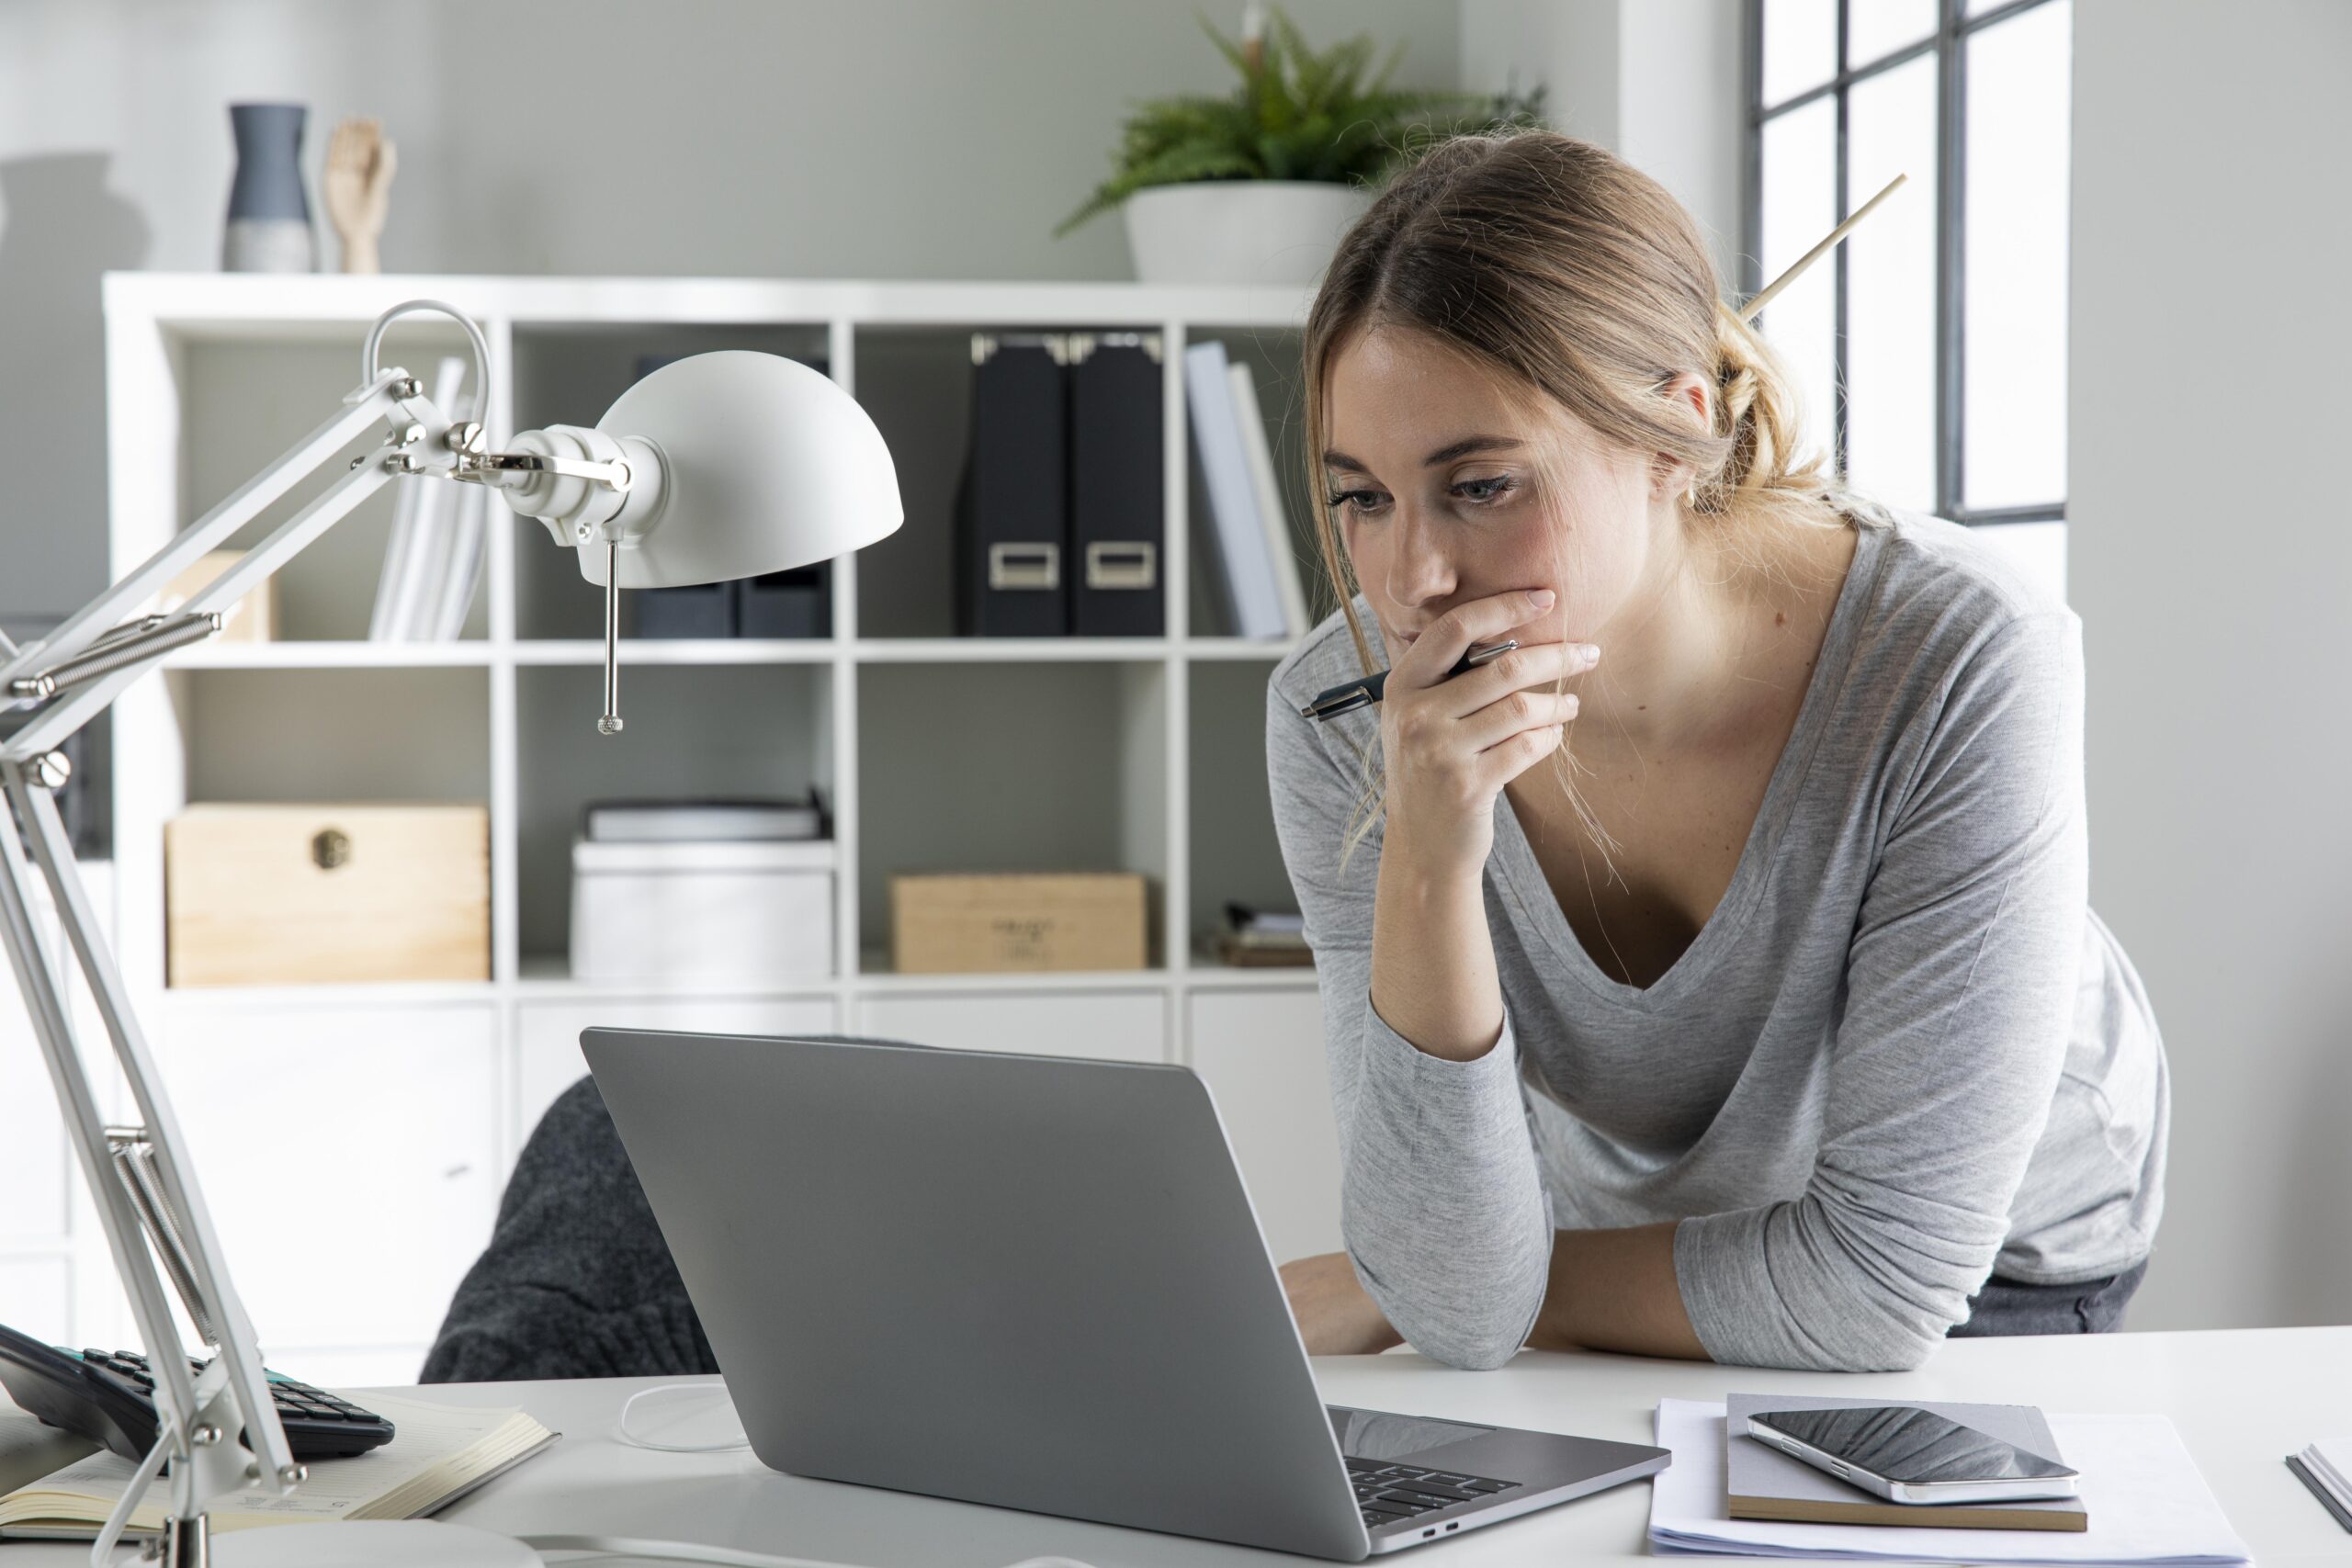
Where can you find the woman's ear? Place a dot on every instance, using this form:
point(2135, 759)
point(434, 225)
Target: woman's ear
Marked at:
point(1691, 395)
point(1689, 389)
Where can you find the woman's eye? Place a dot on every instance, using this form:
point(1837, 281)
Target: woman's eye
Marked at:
point(1485, 492)
point(1361, 500)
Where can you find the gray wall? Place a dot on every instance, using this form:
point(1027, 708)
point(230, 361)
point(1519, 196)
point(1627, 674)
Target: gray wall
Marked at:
point(877, 138)
point(2211, 554)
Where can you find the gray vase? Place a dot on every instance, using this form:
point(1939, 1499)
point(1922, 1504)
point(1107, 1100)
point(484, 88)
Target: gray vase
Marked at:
point(269, 213)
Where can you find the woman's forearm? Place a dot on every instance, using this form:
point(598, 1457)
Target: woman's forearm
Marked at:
point(1433, 979)
point(1615, 1289)
point(1607, 1290)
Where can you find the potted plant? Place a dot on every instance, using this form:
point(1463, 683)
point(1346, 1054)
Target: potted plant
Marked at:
point(1257, 186)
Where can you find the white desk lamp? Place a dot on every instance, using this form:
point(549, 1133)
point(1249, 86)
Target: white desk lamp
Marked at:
point(719, 465)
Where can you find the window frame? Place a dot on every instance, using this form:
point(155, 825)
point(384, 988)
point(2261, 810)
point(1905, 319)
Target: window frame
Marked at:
point(1946, 42)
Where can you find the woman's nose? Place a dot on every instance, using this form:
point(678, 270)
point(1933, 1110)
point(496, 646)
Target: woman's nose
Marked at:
point(1419, 569)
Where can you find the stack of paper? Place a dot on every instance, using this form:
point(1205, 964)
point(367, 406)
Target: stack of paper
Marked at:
point(2148, 1504)
point(2326, 1468)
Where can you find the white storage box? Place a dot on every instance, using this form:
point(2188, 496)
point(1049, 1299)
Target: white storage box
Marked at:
point(741, 913)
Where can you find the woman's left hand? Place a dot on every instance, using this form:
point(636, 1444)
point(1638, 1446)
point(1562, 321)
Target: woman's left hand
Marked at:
point(1335, 1315)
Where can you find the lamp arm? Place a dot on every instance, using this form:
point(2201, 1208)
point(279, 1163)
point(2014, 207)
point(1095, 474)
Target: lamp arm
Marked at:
point(101, 614)
point(221, 1426)
point(223, 1402)
point(68, 711)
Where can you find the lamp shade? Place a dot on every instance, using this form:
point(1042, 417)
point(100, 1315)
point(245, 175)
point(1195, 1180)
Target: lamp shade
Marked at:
point(766, 465)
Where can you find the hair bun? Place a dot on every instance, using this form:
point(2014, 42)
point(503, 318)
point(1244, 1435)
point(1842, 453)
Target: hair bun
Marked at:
point(1757, 408)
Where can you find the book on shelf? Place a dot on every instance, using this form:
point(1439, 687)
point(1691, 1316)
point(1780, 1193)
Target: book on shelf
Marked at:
point(432, 559)
point(1242, 558)
point(1273, 517)
point(440, 1453)
point(727, 820)
point(1255, 939)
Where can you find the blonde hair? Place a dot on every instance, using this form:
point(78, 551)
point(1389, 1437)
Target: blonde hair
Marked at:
point(1583, 285)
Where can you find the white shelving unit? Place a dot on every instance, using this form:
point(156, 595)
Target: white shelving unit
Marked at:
point(938, 752)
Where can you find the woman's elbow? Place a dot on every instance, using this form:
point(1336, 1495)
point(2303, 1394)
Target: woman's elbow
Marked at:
point(1887, 1340)
point(1467, 1353)
point(1902, 1352)
point(1471, 1336)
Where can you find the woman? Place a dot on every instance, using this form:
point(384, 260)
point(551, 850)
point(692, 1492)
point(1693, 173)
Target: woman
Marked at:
point(1713, 977)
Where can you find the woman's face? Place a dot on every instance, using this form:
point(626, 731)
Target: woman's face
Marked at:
point(1441, 502)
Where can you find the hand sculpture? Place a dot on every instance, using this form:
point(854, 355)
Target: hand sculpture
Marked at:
point(360, 162)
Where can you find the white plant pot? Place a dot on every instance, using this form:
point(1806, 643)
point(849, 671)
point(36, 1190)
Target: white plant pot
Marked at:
point(1249, 231)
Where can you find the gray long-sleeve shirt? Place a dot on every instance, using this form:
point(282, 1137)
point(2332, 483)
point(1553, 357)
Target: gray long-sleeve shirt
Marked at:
point(1901, 1054)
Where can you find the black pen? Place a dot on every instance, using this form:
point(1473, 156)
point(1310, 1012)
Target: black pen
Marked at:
point(1355, 695)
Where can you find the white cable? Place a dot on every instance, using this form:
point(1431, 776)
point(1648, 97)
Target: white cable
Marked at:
point(133, 1494)
point(737, 1441)
point(724, 1556)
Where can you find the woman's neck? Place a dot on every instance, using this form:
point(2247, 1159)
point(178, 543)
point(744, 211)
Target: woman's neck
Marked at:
point(1672, 658)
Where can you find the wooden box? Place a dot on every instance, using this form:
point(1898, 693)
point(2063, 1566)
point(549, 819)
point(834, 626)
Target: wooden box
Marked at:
point(299, 894)
point(1017, 923)
point(253, 618)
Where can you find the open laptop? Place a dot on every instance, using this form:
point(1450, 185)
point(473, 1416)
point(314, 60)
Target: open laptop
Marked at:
point(1029, 1281)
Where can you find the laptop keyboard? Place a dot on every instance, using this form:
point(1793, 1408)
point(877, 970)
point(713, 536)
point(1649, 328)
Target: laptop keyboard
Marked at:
point(1388, 1492)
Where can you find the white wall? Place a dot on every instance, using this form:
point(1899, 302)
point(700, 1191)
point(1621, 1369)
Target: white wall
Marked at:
point(875, 139)
point(2211, 562)
point(1656, 82)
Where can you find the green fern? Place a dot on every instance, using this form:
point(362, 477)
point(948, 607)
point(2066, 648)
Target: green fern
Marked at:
point(1297, 115)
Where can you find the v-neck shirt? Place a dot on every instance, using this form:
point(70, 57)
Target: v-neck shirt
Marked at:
point(1902, 1053)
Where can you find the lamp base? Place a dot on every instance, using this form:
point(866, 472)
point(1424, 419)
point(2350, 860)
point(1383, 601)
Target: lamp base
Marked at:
point(370, 1543)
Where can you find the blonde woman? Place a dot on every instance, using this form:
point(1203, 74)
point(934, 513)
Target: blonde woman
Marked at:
point(1713, 977)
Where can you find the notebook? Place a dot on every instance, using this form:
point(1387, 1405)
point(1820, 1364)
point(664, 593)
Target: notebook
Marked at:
point(2149, 1506)
point(2326, 1468)
point(1761, 1483)
point(441, 1453)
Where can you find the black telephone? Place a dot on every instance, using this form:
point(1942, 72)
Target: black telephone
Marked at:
point(109, 1397)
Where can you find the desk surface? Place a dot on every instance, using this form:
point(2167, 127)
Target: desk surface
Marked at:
point(2240, 1399)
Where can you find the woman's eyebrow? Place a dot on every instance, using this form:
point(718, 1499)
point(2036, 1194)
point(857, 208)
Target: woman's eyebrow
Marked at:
point(1446, 454)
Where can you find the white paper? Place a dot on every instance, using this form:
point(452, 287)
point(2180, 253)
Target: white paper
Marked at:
point(2148, 1504)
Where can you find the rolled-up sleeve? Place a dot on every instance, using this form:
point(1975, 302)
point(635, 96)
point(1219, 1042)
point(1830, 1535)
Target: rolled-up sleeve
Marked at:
point(1442, 1204)
point(1959, 985)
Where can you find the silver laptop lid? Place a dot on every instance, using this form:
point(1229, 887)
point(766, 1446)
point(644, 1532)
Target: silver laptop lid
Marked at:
point(1027, 1282)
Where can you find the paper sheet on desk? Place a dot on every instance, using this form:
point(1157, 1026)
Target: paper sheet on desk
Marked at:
point(2148, 1504)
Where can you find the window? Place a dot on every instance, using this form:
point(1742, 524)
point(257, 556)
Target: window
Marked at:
point(1931, 347)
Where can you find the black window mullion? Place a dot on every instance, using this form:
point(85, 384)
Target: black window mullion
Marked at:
point(1841, 202)
point(1751, 217)
point(1952, 216)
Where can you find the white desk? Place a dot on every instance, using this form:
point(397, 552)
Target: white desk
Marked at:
point(2242, 1400)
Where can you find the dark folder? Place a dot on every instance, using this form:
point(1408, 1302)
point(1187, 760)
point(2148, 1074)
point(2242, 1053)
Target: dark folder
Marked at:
point(1117, 510)
point(1012, 509)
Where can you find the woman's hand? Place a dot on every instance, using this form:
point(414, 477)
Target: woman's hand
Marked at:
point(1451, 744)
point(1335, 1315)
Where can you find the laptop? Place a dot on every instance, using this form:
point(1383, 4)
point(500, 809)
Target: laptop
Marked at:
point(1030, 1281)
